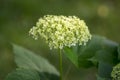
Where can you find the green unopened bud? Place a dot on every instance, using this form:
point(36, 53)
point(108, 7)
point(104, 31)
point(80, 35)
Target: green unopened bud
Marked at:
point(61, 31)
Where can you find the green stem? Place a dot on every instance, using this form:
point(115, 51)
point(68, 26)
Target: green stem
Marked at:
point(60, 63)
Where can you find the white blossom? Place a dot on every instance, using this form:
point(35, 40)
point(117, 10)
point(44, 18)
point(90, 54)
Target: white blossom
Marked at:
point(61, 31)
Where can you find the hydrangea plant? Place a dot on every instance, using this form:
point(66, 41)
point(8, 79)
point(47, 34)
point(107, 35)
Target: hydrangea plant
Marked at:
point(61, 31)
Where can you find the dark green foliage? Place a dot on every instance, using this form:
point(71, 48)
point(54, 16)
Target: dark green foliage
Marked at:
point(31, 66)
point(99, 52)
point(97, 49)
point(72, 56)
point(23, 74)
point(27, 59)
point(104, 70)
point(99, 78)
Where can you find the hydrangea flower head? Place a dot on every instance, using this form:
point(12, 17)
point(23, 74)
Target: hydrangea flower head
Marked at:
point(116, 72)
point(61, 31)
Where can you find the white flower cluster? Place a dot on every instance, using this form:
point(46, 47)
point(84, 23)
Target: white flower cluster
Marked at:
point(61, 31)
point(116, 72)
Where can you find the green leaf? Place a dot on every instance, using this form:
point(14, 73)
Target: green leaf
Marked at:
point(100, 78)
point(97, 49)
point(47, 76)
point(23, 74)
point(85, 53)
point(106, 56)
point(104, 70)
point(72, 56)
point(90, 49)
point(28, 60)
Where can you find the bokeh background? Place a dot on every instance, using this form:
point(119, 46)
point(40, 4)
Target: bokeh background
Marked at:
point(18, 16)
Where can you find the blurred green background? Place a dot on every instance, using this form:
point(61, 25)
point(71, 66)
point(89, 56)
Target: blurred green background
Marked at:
point(18, 16)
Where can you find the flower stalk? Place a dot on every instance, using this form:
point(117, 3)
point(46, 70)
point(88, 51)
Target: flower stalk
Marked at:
point(60, 64)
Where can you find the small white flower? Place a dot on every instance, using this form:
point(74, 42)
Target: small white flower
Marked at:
point(61, 31)
point(116, 72)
